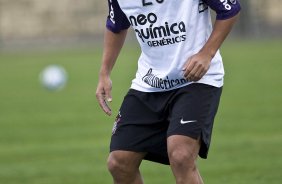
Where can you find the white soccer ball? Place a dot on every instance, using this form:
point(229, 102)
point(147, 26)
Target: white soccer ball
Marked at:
point(53, 77)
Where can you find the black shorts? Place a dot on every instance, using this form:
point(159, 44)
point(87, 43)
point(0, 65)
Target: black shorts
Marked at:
point(146, 120)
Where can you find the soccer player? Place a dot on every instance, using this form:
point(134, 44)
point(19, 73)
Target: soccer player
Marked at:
point(167, 115)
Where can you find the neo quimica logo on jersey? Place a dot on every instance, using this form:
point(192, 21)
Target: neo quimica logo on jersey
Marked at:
point(161, 35)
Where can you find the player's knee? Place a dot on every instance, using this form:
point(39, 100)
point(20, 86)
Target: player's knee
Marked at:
point(115, 164)
point(181, 158)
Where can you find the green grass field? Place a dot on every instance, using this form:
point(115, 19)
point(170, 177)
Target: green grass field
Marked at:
point(62, 137)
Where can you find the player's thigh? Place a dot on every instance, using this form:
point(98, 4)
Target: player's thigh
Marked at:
point(182, 148)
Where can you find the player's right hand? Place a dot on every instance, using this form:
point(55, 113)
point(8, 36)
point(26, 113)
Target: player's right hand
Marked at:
point(103, 94)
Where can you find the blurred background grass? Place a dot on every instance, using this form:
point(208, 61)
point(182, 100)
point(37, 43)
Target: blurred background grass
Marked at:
point(62, 137)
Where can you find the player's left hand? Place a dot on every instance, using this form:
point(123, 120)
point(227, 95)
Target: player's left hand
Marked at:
point(197, 66)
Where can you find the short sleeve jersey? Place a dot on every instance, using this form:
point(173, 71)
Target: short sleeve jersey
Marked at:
point(169, 32)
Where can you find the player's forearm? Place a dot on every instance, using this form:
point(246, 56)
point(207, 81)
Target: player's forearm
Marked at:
point(113, 43)
point(220, 31)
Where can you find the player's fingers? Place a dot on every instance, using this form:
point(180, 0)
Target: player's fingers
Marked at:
point(198, 74)
point(192, 76)
point(108, 95)
point(105, 107)
point(189, 67)
point(203, 72)
point(103, 104)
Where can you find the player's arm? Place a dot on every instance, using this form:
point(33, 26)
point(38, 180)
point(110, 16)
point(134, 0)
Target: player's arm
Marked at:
point(115, 34)
point(113, 43)
point(227, 14)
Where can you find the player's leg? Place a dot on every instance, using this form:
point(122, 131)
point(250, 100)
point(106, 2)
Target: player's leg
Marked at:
point(124, 167)
point(189, 133)
point(138, 133)
point(183, 152)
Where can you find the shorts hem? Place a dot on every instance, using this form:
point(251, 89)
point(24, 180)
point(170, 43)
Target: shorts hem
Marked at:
point(153, 157)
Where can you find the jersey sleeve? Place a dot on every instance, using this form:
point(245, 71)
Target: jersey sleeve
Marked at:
point(116, 20)
point(224, 9)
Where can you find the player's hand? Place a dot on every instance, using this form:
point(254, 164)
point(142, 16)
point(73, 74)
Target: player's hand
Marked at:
point(197, 66)
point(103, 93)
